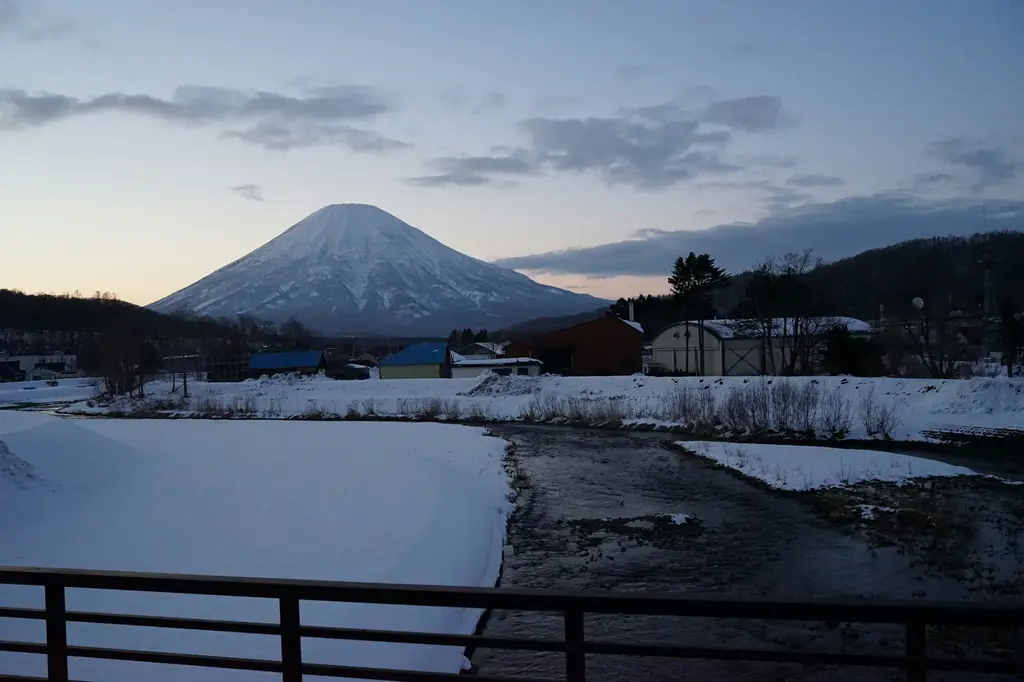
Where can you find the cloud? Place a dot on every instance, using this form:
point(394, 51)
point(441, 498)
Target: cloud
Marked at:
point(14, 21)
point(249, 192)
point(995, 164)
point(773, 196)
point(835, 230)
point(473, 171)
point(649, 148)
point(749, 114)
point(268, 119)
point(815, 180)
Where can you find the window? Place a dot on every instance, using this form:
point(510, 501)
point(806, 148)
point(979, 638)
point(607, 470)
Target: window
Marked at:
point(523, 371)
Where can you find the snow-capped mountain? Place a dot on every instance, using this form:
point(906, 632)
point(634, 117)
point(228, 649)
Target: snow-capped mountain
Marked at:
point(353, 268)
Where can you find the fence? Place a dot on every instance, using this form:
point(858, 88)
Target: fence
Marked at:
point(574, 606)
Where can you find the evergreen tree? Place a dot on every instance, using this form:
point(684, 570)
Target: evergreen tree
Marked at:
point(693, 280)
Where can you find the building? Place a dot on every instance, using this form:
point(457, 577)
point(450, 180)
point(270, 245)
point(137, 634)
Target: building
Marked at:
point(606, 346)
point(468, 367)
point(294, 362)
point(481, 350)
point(227, 365)
point(60, 362)
point(42, 374)
point(731, 347)
point(429, 360)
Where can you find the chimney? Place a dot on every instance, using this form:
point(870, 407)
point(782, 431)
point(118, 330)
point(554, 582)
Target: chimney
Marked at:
point(631, 319)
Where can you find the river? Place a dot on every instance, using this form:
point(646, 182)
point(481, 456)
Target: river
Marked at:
point(749, 543)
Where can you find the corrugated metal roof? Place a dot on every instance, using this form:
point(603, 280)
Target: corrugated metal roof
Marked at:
point(429, 353)
point(291, 360)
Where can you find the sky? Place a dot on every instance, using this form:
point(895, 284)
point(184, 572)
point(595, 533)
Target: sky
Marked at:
point(586, 143)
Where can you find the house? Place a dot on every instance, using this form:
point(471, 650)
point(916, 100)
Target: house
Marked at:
point(428, 360)
point(468, 367)
point(42, 374)
point(58, 361)
point(606, 346)
point(293, 362)
point(481, 350)
point(734, 347)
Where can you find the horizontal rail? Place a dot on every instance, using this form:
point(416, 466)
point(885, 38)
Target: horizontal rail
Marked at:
point(573, 605)
point(597, 603)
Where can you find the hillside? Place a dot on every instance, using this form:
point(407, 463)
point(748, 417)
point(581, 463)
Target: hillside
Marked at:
point(947, 272)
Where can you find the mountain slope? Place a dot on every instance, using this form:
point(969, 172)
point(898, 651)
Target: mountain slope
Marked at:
point(353, 268)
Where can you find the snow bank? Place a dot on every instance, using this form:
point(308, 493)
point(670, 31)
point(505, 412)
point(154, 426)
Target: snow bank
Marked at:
point(790, 467)
point(913, 407)
point(394, 502)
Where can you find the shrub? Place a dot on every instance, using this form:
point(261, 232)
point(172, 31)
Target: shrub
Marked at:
point(836, 418)
point(879, 418)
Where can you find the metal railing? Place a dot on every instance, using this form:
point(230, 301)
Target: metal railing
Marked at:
point(915, 617)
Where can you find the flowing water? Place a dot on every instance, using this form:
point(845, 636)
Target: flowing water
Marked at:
point(749, 543)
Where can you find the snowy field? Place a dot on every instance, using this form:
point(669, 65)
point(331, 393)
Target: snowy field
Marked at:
point(810, 467)
point(832, 407)
point(378, 502)
point(39, 392)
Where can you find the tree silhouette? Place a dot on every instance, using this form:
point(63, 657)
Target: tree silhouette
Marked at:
point(692, 282)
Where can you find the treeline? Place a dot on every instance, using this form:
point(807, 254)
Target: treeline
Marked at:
point(939, 301)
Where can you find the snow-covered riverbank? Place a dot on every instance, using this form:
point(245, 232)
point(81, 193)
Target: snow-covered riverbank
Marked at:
point(826, 407)
point(400, 503)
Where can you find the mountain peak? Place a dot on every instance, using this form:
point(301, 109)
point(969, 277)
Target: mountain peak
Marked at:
point(355, 268)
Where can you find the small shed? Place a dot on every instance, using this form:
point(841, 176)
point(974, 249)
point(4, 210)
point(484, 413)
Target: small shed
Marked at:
point(429, 360)
point(606, 346)
point(732, 347)
point(41, 374)
point(293, 362)
point(468, 367)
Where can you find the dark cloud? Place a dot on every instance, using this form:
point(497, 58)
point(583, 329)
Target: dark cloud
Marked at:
point(835, 230)
point(749, 114)
point(933, 179)
point(474, 171)
point(650, 147)
point(995, 164)
point(814, 180)
point(269, 119)
point(249, 192)
point(771, 195)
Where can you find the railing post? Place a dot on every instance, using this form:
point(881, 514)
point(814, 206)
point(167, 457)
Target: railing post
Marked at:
point(575, 659)
point(56, 633)
point(917, 650)
point(291, 639)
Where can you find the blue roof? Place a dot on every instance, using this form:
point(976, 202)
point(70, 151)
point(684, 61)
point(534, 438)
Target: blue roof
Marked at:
point(419, 354)
point(292, 360)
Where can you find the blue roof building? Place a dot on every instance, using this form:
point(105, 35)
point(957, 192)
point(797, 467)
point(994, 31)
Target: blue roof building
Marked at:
point(429, 360)
point(300, 361)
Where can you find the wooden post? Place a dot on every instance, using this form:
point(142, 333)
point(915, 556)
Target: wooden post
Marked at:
point(56, 633)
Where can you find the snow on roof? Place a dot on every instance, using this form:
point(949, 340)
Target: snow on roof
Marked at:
point(488, 346)
point(291, 360)
point(427, 353)
point(730, 329)
point(634, 325)
point(460, 361)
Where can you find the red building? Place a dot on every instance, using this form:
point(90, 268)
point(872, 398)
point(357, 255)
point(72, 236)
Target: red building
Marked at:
point(607, 346)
